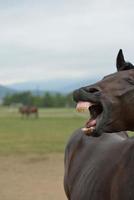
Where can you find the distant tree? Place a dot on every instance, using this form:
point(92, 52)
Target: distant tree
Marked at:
point(59, 100)
point(48, 100)
point(25, 98)
point(7, 100)
point(69, 100)
point(38, 101)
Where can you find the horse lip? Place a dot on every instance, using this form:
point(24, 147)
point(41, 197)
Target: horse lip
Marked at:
point(102, 118)
point(82, 95)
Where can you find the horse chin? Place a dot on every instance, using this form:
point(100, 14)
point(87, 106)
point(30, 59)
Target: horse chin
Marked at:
point(108, 127)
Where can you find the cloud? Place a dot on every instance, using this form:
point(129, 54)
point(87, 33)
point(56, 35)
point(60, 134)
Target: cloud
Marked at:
point(63, 38)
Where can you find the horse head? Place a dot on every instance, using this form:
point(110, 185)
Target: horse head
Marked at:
point(109, 101)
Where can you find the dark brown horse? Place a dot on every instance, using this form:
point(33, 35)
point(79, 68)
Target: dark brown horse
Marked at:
point(28, 110)
point(102, 167)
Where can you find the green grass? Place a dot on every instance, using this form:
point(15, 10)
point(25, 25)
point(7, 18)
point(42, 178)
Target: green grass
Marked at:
point(49, 133)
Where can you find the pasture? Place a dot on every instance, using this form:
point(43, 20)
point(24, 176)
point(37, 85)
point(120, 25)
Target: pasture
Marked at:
point(47, 134)
point(31, 153)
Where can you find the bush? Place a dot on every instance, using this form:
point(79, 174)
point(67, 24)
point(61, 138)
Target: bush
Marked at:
point(47, 100)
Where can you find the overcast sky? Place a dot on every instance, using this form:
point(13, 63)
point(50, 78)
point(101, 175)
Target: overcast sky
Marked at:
point(49, 39)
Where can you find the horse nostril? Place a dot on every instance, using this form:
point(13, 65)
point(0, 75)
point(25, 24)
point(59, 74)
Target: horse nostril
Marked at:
point(93, 90)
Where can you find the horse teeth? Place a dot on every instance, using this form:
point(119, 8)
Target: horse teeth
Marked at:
point(88, 131)
point(81, 109)
point(83, 106)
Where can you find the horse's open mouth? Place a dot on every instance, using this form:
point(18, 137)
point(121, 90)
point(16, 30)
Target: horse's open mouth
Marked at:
point(95, 111)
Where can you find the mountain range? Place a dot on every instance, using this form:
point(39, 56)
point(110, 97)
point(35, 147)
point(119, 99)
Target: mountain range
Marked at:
point(62, 85)
point(5, 91)
point(39, 87)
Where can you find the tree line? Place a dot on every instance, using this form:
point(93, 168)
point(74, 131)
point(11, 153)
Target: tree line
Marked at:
point(48, 100)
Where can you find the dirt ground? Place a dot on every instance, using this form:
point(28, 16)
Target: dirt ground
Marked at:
point(32, 177)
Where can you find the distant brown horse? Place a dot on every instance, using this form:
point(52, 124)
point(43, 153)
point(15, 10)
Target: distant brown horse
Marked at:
point(28, 110)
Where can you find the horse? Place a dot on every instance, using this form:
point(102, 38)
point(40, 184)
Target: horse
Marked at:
point(99, 158)
point(28, 110)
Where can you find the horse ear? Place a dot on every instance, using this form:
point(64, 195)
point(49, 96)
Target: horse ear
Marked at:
point(121, 64)
point(120, 61)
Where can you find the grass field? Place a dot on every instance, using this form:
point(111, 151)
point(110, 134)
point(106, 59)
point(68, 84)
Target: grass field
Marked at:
point(31, 153)
point(49, 133)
